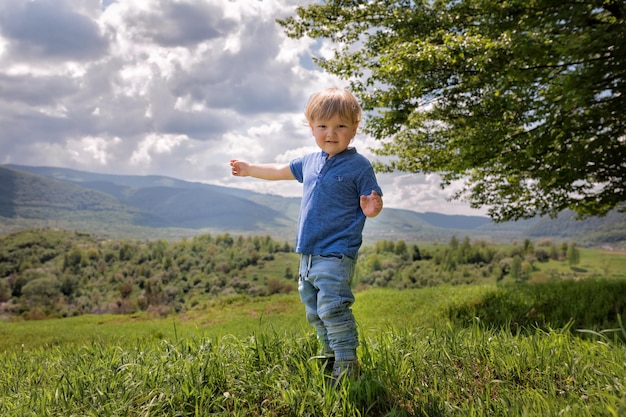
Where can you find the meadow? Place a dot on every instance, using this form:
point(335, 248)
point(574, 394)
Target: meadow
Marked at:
point(434, 351)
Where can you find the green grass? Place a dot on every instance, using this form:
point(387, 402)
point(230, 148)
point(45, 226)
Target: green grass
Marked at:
point(593, 263)
point(591, 305)
point(603, 263)
point(238, 316)
point(250, 357)
point(437, 372)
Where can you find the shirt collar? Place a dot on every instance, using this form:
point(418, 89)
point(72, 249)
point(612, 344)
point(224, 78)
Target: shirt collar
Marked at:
point(348, 151)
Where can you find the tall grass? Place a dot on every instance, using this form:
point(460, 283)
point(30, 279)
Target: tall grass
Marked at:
point(593, 304)
point(445, 371)
point(249, 357)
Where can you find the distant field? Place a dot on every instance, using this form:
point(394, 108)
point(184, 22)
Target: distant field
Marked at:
point(593, 263)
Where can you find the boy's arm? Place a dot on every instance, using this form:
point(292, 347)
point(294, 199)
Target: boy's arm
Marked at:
point(262, 171)
point(371, 204)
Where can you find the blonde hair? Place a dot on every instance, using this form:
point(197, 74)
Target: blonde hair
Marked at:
point(324, 104)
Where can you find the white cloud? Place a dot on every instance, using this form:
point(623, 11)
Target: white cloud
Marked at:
point(4, 44)
point(90, 150)
point(155, 144)
point(168, 87)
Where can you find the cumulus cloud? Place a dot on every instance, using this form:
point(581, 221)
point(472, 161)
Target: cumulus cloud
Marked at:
point(167, 87)
point(50, 30)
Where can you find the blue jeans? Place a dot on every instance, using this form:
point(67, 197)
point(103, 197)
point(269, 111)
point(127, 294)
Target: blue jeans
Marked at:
point(324, 288)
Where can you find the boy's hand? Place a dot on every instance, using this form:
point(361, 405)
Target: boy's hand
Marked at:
point(262, 171)
point(371, 204)
point(239, 168)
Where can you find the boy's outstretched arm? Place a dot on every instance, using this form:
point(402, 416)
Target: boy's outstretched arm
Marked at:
point(262, 171)
point(371, 204)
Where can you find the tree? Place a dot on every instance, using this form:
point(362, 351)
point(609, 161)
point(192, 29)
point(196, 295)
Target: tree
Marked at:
point(454, 243)
point(417, 256)
point(42, 290)
point(520, 101)
point(401, 248)
point(516, 269)
point(289, 271)
point(5, 291)
point(573, 254)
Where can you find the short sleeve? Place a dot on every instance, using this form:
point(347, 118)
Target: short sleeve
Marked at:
point(296, 169)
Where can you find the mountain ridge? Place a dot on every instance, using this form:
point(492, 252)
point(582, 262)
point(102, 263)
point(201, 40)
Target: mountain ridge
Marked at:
point(161, 205)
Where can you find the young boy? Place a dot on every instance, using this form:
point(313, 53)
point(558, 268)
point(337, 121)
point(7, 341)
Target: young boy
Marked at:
point(340, 191)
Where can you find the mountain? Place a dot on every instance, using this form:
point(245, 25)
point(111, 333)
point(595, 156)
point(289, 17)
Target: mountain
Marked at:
point(163, 207)
point(32, 197)
point(52, 193)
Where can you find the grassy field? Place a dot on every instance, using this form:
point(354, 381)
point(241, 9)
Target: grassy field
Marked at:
point(593, 262)
point(250, 357)
point(237, 316)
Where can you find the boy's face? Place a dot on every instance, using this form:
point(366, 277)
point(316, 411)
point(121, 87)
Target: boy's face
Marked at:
point(334, 135)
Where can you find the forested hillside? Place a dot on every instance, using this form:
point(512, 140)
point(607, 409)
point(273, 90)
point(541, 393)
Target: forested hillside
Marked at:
point(55, 273)
point(29, 196)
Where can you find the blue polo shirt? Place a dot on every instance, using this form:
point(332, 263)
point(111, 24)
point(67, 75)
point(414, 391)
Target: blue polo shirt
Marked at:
point(331, 219)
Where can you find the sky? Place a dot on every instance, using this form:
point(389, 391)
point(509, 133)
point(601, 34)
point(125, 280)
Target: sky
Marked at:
point(170, 87)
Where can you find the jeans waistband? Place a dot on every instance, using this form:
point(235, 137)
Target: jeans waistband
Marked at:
point(309, 259)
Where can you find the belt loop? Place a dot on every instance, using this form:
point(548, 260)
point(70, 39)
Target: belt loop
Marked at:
point(308, 265)
point(308, 268)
